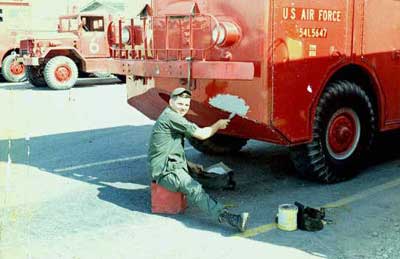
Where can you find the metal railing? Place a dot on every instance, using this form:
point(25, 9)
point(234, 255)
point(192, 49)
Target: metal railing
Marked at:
point(169, 37)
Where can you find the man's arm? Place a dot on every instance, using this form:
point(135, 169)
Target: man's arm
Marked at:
point(206, 132)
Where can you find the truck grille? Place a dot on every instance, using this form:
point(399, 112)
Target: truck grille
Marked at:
point(26, 47)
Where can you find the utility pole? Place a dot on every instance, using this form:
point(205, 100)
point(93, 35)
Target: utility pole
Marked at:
point(68, 6)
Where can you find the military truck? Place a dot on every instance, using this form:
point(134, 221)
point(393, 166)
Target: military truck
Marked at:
point(14, 25)
point(81, 46)
point(321, 77)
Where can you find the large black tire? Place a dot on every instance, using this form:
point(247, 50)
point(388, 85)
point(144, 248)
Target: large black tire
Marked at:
point(343, 132)
point(218, 144)
point(121, 78)
point(12, 71)
point(35, 76)
point(61, 73)
point(82, 74)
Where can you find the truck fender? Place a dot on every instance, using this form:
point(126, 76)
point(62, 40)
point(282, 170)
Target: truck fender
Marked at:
point(367, 71)
point(68, 52)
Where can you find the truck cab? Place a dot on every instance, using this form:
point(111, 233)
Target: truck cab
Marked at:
point(80, 46)
point(90, 30)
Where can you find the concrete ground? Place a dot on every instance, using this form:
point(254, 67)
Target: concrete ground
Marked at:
point(74, 184)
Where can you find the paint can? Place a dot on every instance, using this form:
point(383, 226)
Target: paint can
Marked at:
point(287, 217)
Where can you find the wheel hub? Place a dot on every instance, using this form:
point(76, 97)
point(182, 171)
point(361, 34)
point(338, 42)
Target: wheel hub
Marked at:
point(63, 73)
point(343, 133)
point(17, 68)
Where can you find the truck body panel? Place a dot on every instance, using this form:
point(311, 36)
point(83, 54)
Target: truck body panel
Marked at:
point(380, 51)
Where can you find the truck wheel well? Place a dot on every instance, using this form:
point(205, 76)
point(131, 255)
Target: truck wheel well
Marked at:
point(67, 53)
point(9, 52)
point(361, 77)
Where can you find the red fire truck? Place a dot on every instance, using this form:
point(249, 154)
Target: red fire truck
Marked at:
point(81, 46)
point(14, 25)
point(319, 76)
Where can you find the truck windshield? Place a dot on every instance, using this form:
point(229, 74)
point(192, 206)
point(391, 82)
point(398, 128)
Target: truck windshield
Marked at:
point(92, 23)
point(68, 24)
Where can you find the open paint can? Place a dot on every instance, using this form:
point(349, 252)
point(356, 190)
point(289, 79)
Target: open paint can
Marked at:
point(287, 217)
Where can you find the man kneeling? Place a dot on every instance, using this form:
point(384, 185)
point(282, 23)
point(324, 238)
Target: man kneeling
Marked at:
point(167, 160)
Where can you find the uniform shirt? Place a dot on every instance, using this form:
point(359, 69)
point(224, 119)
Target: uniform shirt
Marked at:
point(166, 152)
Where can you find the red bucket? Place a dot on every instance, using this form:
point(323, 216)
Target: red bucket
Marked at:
point(164, 201)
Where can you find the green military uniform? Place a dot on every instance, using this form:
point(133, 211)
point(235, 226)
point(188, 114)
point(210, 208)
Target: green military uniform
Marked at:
point(167, 161)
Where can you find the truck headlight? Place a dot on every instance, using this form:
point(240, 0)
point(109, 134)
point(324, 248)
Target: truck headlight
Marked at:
point(218, 34)
point(126, 35)
point(225, 34)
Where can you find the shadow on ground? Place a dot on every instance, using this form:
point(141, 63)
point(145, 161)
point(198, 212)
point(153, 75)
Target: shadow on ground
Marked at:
point(113, 158)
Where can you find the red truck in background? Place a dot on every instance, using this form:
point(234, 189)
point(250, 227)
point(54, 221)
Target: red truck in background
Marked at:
point(14, 25)
point(81, 46)
point(319, 76)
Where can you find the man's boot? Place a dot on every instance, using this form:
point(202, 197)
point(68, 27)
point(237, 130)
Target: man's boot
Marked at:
point(237, 221)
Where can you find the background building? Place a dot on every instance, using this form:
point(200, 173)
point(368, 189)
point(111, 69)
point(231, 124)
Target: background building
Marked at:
point(45, 13)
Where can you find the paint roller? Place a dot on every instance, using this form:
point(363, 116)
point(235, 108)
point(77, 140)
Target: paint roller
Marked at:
point(230, 103)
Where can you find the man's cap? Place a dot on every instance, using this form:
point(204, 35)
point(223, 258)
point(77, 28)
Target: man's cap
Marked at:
point(179, 91)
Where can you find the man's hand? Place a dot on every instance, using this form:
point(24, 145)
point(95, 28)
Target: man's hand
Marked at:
point(223, 123)
point(205, 133)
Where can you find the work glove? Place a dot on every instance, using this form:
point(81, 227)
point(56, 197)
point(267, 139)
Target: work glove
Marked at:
point(194, 168)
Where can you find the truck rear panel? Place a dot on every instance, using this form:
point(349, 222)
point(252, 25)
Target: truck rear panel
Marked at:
point(285, 55)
